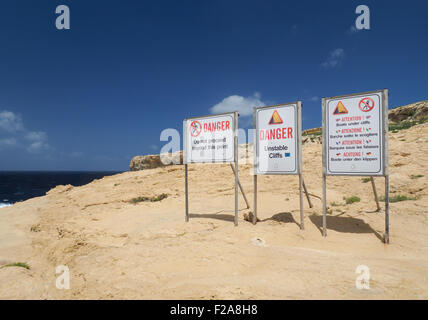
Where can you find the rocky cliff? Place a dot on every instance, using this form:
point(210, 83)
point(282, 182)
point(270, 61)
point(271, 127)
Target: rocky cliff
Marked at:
point(412, 112)
point(155, 161)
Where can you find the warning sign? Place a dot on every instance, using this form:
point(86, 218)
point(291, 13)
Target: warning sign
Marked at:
point(276, 149)
point(209, 139)
point(354, 128)
point(276, 119)
point(340, 109)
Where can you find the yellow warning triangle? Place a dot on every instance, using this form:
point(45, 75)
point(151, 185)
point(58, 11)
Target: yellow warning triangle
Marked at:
point(340, 109)
point(276, 119)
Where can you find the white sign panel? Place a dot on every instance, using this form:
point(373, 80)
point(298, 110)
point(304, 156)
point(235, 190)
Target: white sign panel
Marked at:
point(354, 134)
point(277, 140)
point(210, 139)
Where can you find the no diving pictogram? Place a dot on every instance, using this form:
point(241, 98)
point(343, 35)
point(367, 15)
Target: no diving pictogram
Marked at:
point(195, 128)
point(366, 104)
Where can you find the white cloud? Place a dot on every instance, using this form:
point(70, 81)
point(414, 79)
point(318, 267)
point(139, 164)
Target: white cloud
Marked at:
point(334, 58)
point(35, 141)
point(10, 122)
point(38, 147)
point(38, 142)
point(352, 30)
point(8, 142)
point(36, 136)
point(241, 104)
point(153, 147)
point(314, 99)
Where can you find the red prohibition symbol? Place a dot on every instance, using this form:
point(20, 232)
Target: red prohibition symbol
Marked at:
point(195, 128)
point(366, 104)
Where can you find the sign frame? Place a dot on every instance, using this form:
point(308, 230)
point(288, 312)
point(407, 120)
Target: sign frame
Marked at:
point(235, 115)
point(234, 129)
point(384, 93)
point(298, 157)
point(383, 123)
point(298, 147)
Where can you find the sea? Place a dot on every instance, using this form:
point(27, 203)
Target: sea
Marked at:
point(23, 185)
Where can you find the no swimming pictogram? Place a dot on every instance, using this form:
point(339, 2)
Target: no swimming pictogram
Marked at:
point(366, 104)
point(195, 128)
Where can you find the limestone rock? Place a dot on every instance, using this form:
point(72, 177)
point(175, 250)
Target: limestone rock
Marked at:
point(155, 161)
point(411, 112)
point(312, 131)
point(60, 189)
point(249, 217)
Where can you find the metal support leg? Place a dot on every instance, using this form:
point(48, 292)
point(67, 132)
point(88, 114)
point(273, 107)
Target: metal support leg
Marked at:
point(307, 194)
point(375, 194)
point(186, 192)
point(324, 205)
point(236, 168)
point(386, 236)
point(240, 187)
point(255, 200)
point(302, 216)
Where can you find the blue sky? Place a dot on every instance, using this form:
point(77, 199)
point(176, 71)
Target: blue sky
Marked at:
point(91, 97)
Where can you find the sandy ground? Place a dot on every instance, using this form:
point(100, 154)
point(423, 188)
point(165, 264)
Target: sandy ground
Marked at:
point(118, 250)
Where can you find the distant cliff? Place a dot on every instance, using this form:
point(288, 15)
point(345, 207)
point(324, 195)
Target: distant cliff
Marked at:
point(412, 112)
point(155, 160)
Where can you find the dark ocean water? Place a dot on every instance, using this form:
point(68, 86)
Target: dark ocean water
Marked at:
point(20, 186)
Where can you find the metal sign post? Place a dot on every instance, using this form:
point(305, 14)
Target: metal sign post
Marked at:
point(355, 142)
point(186, 182)
point(212, 139)
point(324, 173)
point(278, 146)
point(386, 162)
point(299, 155)
point(187, 192)
point(235, 139)
point(255, 162)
